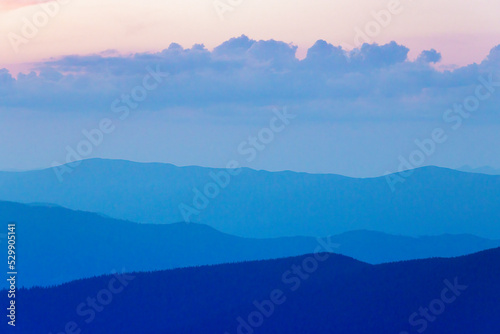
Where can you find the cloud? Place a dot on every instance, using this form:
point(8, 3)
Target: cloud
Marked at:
point(324, 56)
point(492, 61)
point(376, 56)
point(429, 56)
point(235, 48)
point(374, 80)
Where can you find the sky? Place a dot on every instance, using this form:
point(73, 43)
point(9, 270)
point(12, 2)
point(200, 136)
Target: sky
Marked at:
point(368, 84)
point(464, 31)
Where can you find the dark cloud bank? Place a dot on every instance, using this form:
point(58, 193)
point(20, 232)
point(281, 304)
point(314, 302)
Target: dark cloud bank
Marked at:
point(247, 73)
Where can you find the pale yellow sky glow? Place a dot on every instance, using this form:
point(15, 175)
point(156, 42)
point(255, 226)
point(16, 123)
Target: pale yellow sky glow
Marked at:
point(463, 31)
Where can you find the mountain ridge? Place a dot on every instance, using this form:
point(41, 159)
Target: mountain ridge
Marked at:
point(84, 244)
point(338, 295)
point(431, 201)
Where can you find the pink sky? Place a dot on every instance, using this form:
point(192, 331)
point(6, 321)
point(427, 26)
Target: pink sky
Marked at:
point(7, 5)
point(462, 31)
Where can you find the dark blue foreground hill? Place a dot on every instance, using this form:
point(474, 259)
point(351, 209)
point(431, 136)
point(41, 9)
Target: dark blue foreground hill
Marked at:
point(432, 201)
point(56, 245)
point(337, 295)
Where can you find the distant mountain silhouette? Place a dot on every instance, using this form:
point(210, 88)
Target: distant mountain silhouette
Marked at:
point(336, 295)
point(57, 245)
point(482, 170)
point(375, 247)
point(432, 201)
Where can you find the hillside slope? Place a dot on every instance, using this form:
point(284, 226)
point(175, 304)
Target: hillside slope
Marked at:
point(334, 295)
point(57, 245)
